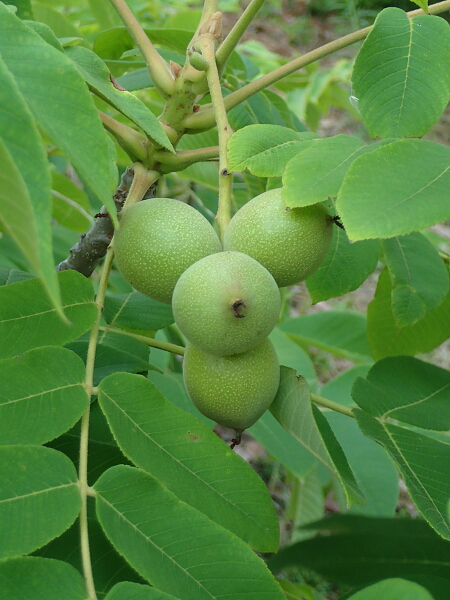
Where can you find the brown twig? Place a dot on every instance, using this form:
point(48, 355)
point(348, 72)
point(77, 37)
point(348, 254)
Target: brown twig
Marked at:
point(86, 254)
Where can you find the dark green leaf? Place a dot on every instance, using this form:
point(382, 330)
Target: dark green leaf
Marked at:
point(386, 338)
point(408, 390)
point(28, 320)
point(418, 275)
point(188, 458)
point(9, 276)
point(41, 83)
point(345, 267)
point(341, 333)
point(41, 395)
point(115, 352)
point(401, 75)
point(39, 497)
point(360, 550)
point(396, 189)
point(339, 389)
point(175, 547)
point(33, 578)
point(293, 410)
point(103, 450)
point(108, 567)
point(24, 10)
point(424, 464)
point(136, 311)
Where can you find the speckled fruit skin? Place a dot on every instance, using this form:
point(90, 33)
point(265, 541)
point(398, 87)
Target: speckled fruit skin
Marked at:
point(226, 303)
point(158, 239)
point(290, 243)
point(233, 391)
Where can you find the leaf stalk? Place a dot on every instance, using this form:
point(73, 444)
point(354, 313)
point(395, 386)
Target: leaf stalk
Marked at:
point(158, 69)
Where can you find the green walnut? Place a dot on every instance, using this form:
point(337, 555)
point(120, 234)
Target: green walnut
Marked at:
point(157, 240)
point(233, 391)
point(226, 303)
point(291, 243)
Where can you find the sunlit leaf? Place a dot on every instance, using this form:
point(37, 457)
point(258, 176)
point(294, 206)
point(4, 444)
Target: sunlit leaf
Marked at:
point(401, 75)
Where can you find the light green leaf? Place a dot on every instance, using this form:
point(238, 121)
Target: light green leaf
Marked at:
point(174, 546)
point(41, 83)
point(136, 311)
point(424, 464)
point(290, 354)
point(307, 504)
point(265, 149)
point(360, 550)
point(396, 189)
point(71, 205)
point(339, 388)
point(125, 590)
point(341, 333)
point(293, 410)
point(345, 267)
point(418, 275)
point(393, 589)
point(374, 470)
point(41, 395)
point(282, 445)
point(401, 75)
point(25, 206)
point(406, 389)
point(55, 20)
point(104, 14)
point(188, 458)
point(98, 77)
point(28, 320)
point(35, 578)
point(39, 497)
point(316, 173)
point(386, 338)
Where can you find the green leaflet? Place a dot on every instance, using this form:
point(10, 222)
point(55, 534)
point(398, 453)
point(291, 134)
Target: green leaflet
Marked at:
point(188, 458)
point(401, 75)
point(41, 395)
point(39, 497)
point(174, 546)
point(40, 82)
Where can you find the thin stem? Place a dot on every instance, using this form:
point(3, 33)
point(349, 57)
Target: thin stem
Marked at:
point(142, 180)
point(84, 436)
point(231, 41)
point(224, 130)
point(167, 346)
point(332, 405)
point(179, 161)
point(209, 8)
point(134, 143)
point(159, 71)
point(204, 119)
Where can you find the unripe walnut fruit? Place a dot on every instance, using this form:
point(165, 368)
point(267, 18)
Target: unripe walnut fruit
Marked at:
point(157, 240)
point(226, 303)
point(291, 243)
point(233, 391)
